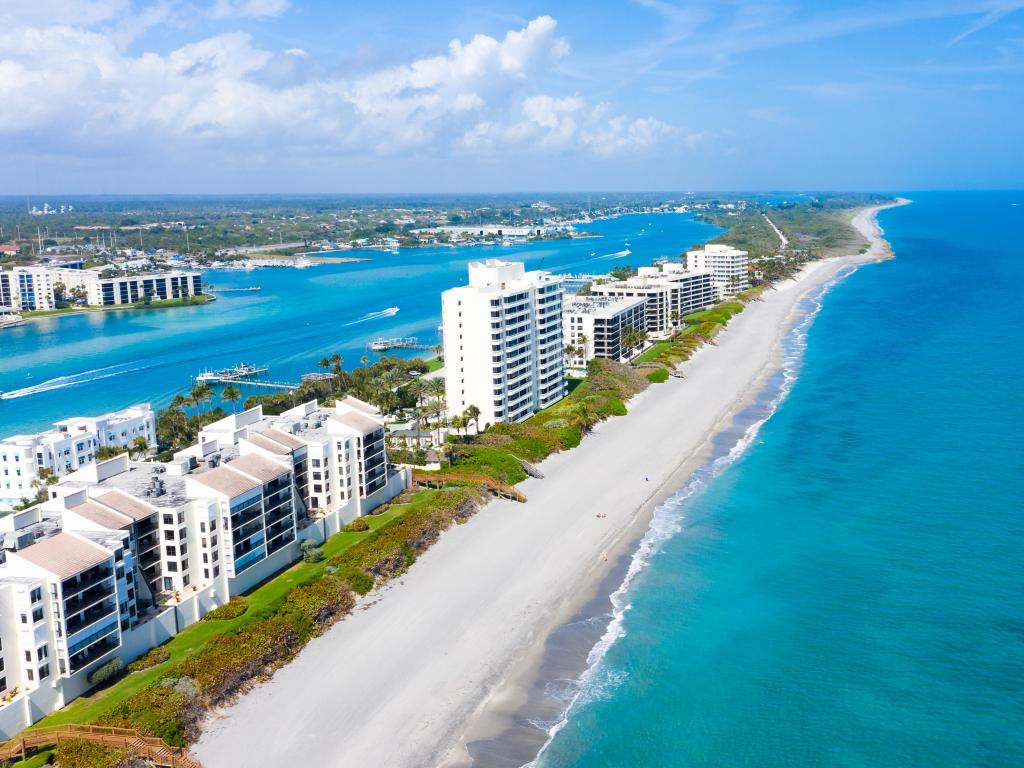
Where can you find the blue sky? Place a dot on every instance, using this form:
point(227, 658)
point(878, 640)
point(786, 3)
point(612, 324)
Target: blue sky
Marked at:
point(221, 96)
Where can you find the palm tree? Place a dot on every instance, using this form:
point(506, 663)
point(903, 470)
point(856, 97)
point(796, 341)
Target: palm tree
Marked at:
point(201, 393)
point(231, 394)
point(336, 362)
point(472, 413)
point(418, 388)
point(139, 446)
point(364, 360)
point(583, 417)
point(458, 422)
point(324, 363)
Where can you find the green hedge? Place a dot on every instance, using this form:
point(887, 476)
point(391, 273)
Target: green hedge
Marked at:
point(107, 671)
point(154, 657)
point(232, 609)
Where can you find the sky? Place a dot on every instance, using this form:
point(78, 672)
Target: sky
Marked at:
point(237, 96)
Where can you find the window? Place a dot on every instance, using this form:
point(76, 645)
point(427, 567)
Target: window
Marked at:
point(3, 684)
point(37, 615)
point(216, 571)
point(24, 618)
point(168, 519)
point(28, 673)
point(44, 672)
point(206, 558)
point(202, 528)
point(206, 575)
point(168, 582)
point(43, 652)
point(28, 655)
point(169, 535)
point(184, 548)
point(185, 580)
point(171, 551)
point(172, 567)
point(37, 595)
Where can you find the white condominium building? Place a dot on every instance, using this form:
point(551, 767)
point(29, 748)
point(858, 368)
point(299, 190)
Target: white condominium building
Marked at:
point(503, 343)
point(727, 265)
point(597, 326)
point(123, 554)
point(671, 293)
point(71, 444)
point(29, 288)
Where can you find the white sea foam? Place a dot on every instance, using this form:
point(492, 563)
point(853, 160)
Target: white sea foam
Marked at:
point(599, 681)
point(617, 255)
point(389, 312)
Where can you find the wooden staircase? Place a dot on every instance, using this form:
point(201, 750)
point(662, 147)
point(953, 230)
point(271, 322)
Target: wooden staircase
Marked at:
point(424, 479)
point(148, 747)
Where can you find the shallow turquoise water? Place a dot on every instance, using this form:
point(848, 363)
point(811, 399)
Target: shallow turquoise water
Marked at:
point(851, 591)
point(88, 364)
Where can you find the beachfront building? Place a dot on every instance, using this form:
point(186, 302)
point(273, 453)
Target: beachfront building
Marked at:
point(602, 326)
point(503, 342)
point(71, 444)
point(32, 288)
point(124, 554)
point(670, 292)
point(727, 265)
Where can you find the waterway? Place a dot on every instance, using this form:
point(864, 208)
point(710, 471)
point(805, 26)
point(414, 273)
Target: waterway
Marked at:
point(52, 368)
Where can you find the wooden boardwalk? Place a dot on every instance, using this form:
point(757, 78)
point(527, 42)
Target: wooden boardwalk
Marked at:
point(137, 745)
point(425, 479)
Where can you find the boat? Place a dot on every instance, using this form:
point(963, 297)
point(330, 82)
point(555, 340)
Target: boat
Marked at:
point(240, 371)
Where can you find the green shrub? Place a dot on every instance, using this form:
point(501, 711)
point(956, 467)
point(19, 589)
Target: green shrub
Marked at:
point(79, 753)
point(164, 712)
point(232, 609)
point(226, 663)
point(311, 553)
point(357, 525)
point(107, 671)
point(658, 376)
point(156, 656)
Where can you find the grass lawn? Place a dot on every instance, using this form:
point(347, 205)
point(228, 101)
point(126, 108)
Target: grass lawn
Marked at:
point(434, 364)
point(262, 601)
point(36, 761)
point(652, 354)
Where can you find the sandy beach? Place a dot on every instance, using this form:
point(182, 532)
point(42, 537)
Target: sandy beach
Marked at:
point(443, 657)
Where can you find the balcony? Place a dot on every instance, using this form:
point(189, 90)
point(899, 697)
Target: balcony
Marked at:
point(86, 579)
point(251, 513)
point(284, 513)
point(88, 655)
point(73, 605)
point(89, 616)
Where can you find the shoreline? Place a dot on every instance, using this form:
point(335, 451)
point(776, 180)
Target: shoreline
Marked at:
point(465, 631)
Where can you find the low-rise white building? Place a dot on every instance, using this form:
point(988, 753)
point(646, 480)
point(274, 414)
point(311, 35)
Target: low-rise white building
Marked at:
point(71, 444)
point(503, 343)
point(671, 293)
point(728, 267)
point(32, 288)
point(598, 326)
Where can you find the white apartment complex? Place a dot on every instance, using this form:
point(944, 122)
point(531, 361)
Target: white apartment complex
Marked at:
point(671, 292)
point(71, 444)
point(29, 288)
point(124, 554)
point(503, 342)
point(596, 326)
point(727, 265)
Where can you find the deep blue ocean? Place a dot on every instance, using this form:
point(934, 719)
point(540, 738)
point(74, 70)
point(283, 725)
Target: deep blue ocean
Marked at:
point(850, 590)
point(86, 364)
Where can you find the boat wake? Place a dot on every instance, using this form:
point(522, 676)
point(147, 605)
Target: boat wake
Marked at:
point(598, 680)
point(389, 312)
point(74, 379)
point(617, 255)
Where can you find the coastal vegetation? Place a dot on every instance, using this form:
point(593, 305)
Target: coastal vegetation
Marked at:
point(185, 301)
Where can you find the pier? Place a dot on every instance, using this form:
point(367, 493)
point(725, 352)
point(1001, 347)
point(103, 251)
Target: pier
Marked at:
point(410, 342)
point(234, 290)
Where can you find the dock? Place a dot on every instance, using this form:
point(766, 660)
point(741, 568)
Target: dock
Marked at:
point(410, 342)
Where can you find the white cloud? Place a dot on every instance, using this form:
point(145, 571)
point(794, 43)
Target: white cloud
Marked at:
point(75, 89)
point(225, 9)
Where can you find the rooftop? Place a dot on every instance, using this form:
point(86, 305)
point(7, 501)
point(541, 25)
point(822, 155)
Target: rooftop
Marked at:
point(600, 305)
point(101, 515)
point(64, 554)
point(357, 421)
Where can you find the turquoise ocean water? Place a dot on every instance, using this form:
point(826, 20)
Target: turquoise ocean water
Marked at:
point(849, 590)
point(87, 364)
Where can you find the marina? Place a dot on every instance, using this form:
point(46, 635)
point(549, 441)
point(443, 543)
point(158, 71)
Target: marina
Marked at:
point(240, 372)
point(385, 345)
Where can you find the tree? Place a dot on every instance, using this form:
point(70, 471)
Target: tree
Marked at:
point(458, 422)
point(201, 393)
point(139, 446)
point(105, 452)
point(231, 394)
point(472, 413)
point(324, 363)
point(583, 417)
point(336, 362)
